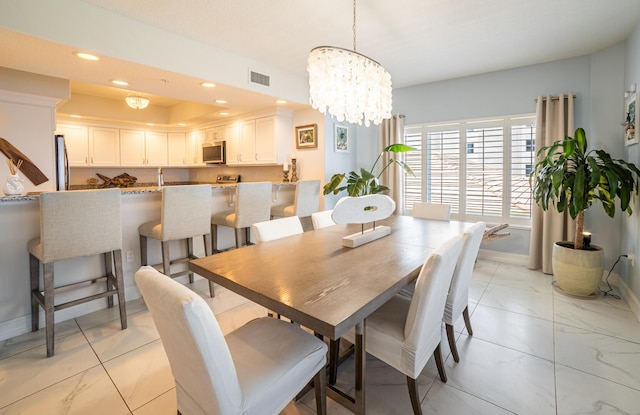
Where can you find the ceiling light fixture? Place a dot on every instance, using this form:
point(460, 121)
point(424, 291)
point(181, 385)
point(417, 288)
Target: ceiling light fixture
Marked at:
point(349, 85)
point(119, 82)
point(221, 101)
point(281, 101)
point(137, 102)
point(207, 84)
point(86, 56)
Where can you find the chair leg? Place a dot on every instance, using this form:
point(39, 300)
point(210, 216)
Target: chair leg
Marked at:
point(143, 250)
point(190, 255)
point(108, 272)
point(207, 252)
point(119, 277)
point(34, 271)
point(467, 322)
point(452, 342)
point(235, 231)
point(438, 356)
point(166, 259)
point(247, 236)
point(49, 306)
point(334, 354)
point(320, 386)
point(214, 239)
point(413, 395)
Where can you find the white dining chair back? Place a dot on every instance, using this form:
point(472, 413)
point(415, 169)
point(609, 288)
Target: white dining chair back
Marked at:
point(437, 211)
point(458, 298)
point(256, 369)
point(404, 332)
point(322, 219)
point(277, 228)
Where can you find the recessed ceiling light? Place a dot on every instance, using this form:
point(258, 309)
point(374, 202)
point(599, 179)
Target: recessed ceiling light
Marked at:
point(86, 56)
point(150, 124)
point(208, 84)
point(223, 113)
point(221, 101)
point(119, 82)
point(182, 124)
point(75, 116)
point(281, 101)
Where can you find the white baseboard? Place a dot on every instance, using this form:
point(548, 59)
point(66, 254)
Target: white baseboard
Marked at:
point(515, 259)
point(628, 295)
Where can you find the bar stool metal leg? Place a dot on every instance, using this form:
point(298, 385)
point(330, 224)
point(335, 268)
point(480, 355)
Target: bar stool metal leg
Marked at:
point(166, 261)
point(34, 270)
point(119, 282)
point(190, 255)
point(48, 306)
point(207, 252)
point(108, 268)
point(143, 251)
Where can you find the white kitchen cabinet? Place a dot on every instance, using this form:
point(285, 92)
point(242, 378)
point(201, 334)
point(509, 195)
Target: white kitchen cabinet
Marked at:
point(104, 146)
point(177, 149)
point(195, 139)
point(265, 140)
point(232, 143)
point(156, 149)
point(76, 138)
point(140, 148)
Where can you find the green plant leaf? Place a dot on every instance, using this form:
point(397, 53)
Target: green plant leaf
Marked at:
point(581, 140)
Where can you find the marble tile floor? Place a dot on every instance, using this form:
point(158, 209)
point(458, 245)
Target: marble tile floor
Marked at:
point(534, 351)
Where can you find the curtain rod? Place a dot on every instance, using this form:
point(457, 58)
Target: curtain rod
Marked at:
point(553, 98)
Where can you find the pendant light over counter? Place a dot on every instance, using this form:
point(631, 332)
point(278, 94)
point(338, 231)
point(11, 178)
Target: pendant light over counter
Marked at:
point(137, 102)
point(349, 85)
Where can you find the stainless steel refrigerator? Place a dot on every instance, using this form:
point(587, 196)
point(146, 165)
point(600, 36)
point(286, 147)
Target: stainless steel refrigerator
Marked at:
point(63, 170)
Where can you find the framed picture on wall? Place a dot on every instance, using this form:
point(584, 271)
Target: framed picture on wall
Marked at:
point(307, 136)
point(630, 112)
point(340, 138)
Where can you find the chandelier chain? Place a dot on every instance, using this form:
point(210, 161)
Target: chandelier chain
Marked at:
point(354, 25)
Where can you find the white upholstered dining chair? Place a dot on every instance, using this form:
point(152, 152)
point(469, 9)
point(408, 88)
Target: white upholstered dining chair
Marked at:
point(277, 228)
point(458, 298)
point(426, 210)
point(405, 332)
point(256, 369)
point(322, 219)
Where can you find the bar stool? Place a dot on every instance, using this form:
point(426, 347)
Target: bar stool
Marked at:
point(305, 203)
point(76, 224)
point(252, 204)
point(185, 214)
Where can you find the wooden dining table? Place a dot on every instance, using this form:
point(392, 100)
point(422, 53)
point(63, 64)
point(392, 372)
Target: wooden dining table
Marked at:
point(316, 282)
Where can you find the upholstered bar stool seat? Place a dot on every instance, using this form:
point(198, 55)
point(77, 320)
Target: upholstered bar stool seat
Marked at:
point(306, 201)
point(185, 214)
point(76, 224)
point(252, 205)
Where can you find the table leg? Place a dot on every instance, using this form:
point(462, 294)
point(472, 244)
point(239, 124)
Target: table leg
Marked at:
point(360, 359)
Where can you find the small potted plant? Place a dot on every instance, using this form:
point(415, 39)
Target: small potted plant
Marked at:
point(366, 182)
point(571, 178)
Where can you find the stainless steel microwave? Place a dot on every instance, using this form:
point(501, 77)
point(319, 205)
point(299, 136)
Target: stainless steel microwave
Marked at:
point(214, 153)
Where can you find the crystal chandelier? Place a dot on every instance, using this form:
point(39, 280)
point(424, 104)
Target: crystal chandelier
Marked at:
point(349, 85)
point(137, 102)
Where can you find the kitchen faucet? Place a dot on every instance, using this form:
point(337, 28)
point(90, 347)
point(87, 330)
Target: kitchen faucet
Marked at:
point(160, 178)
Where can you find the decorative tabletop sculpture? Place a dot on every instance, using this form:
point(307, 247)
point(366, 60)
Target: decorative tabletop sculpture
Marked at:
point(364, 209)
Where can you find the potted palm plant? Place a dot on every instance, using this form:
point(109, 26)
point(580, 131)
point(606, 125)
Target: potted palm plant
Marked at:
point(366, 182)
point(570, 178)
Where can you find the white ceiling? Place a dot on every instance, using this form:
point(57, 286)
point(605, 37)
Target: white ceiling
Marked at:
point(417, 41)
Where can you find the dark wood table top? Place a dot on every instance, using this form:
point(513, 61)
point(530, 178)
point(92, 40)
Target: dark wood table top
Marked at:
point(314, 280)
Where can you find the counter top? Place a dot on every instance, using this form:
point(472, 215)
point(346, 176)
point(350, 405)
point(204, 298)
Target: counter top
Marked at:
point(142, 189)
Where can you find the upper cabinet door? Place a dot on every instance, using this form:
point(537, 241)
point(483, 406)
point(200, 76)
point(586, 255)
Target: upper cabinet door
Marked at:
point(232, 144)
point(266, 145)
point(132, 148)
point(156, 149)
point(195, 139)
point(104, 146)
point(177, 144)
point(76, 138)
point(247, 142)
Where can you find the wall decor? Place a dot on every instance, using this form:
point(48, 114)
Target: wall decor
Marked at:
point(307, 136)
point(630, 136)
point(340, 138)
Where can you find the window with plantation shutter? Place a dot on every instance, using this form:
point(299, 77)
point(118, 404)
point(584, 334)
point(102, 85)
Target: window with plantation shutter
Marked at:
point(478, 167)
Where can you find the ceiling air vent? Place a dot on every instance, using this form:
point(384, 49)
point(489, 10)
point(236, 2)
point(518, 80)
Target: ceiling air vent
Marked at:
point(258, 78)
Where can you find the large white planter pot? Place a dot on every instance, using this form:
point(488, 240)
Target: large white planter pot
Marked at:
point(577, 271)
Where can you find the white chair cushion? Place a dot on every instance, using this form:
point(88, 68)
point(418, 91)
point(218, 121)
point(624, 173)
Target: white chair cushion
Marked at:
point(151, 229)
point(227, 218)
point(275, 229)
point(286, 358)
point(283, 210)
